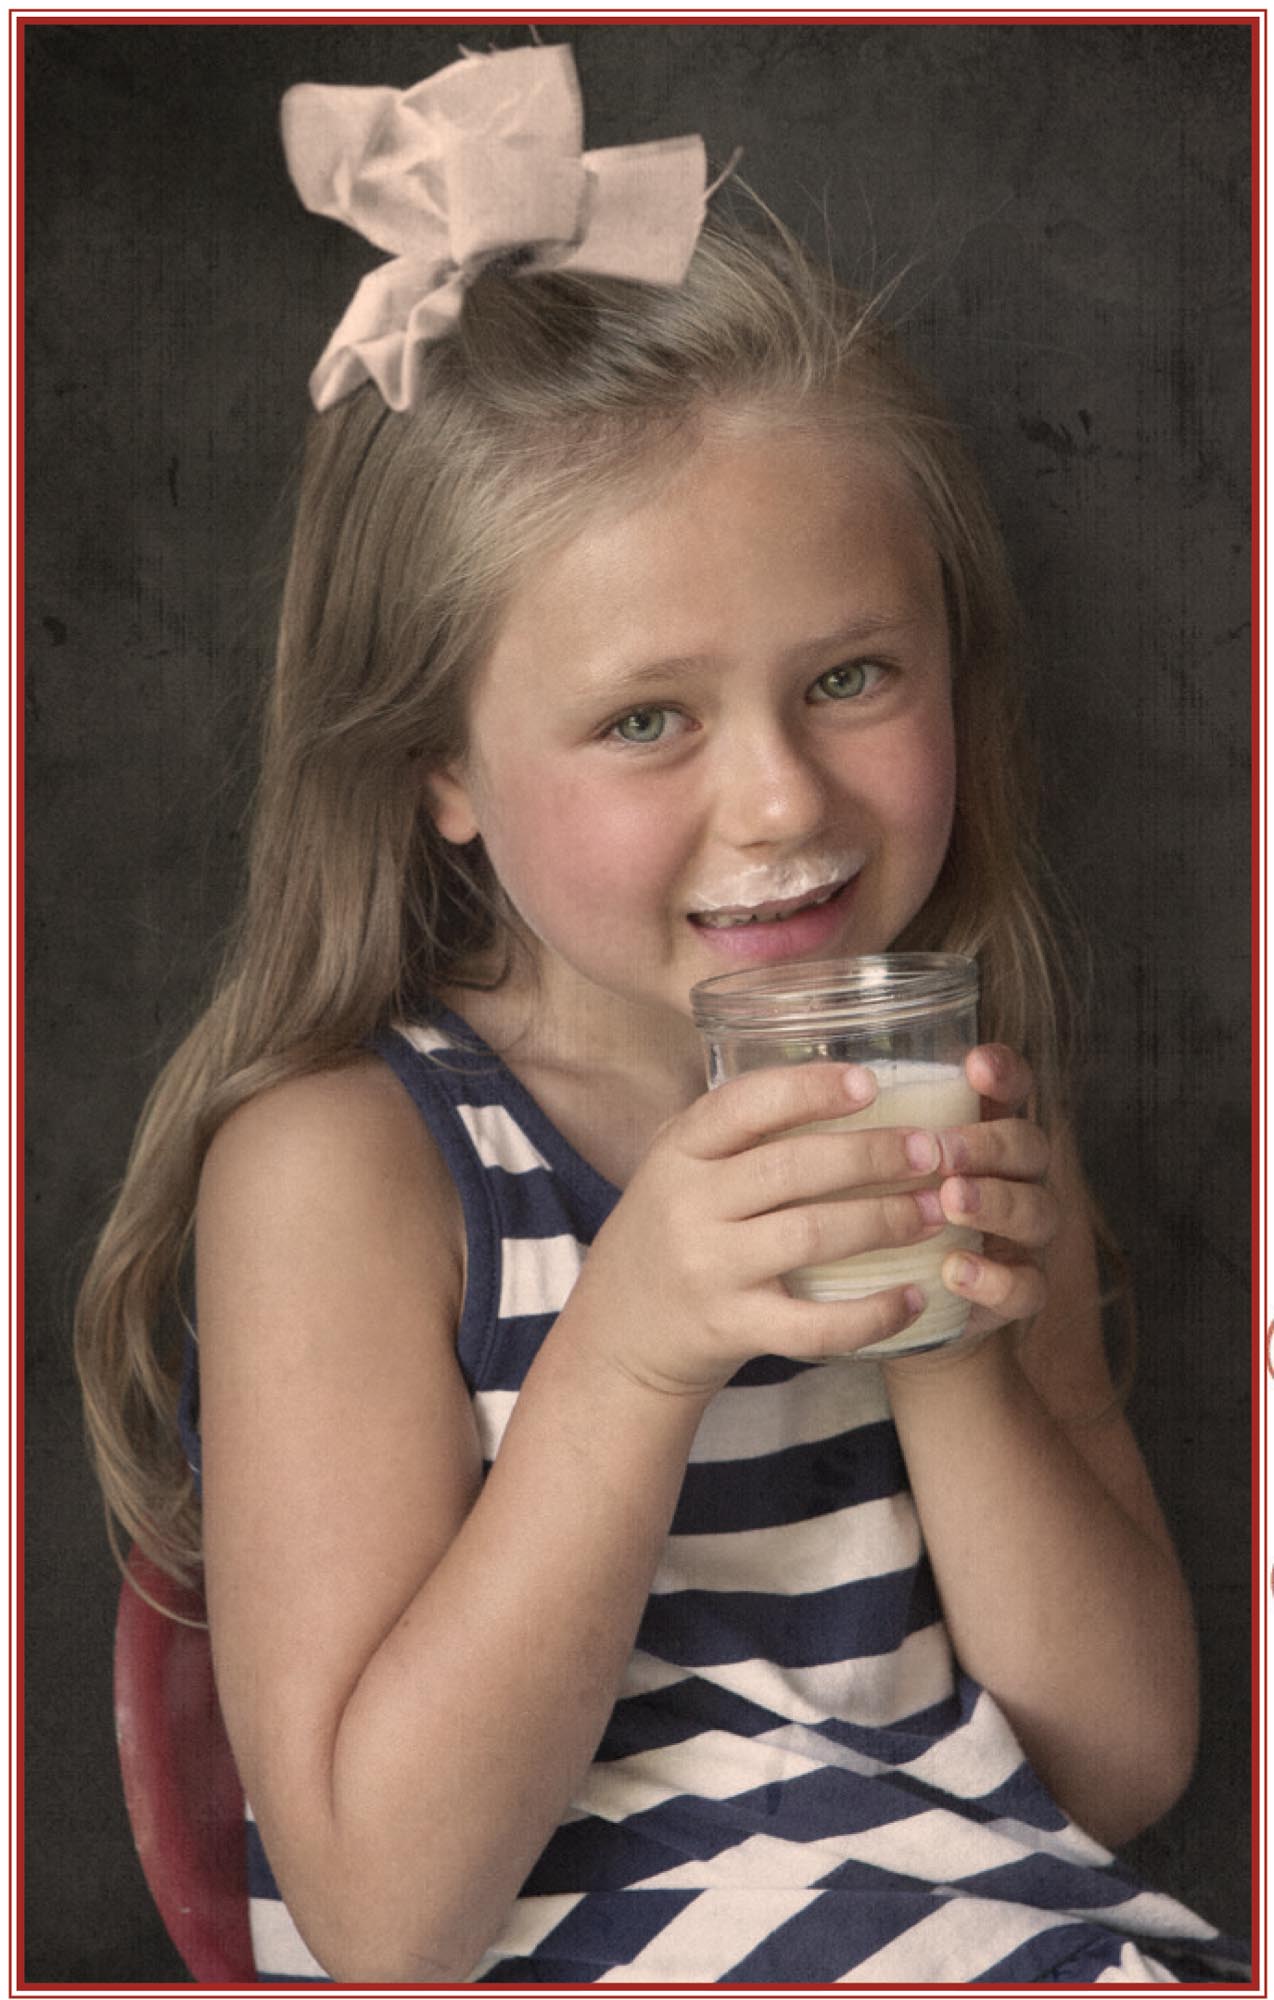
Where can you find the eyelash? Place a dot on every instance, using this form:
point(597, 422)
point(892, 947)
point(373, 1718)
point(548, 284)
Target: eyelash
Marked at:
point(818, 696)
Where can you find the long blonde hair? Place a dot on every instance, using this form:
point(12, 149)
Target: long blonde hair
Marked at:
point(411, 532)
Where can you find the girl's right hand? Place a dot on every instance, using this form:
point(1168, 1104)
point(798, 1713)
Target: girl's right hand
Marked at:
point(684, 1282)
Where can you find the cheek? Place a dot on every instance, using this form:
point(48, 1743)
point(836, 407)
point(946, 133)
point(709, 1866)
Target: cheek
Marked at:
point(579, 840)
point(915, 782)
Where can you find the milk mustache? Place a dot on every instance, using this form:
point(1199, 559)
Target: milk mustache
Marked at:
point(931, 1096)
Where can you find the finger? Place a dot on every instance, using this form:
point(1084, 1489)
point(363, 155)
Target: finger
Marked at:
point(1022, 1212)
point(805, 1331)
point(826, 1232)
point(802, 1166)
point(737, 1114)
point(1003, 1079)
point(1012, 1149)
point(999, 1291)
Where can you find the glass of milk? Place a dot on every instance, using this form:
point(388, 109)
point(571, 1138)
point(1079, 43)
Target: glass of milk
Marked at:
point(909, 1017)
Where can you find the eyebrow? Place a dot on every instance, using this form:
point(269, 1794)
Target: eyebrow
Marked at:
point(639, 676)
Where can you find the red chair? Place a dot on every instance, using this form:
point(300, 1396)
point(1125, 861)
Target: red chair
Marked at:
point(184, 1799)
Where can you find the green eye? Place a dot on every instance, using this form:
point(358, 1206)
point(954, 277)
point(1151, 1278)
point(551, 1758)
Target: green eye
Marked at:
point(842, 683)
point(644, 725)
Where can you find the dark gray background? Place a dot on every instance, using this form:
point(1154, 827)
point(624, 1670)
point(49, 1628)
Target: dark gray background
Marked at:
point(1072, 201)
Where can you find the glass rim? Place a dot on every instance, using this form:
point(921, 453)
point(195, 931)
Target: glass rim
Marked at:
point(879, 987)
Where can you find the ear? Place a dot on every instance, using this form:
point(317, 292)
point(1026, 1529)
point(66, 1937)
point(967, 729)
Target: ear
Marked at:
point(449, 803)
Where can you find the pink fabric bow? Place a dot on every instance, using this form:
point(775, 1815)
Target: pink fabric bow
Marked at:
point(483, 158)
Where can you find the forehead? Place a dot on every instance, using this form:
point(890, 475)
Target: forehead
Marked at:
point(746, 541)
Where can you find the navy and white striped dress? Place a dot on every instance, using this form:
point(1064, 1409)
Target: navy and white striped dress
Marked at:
point(798, 1784)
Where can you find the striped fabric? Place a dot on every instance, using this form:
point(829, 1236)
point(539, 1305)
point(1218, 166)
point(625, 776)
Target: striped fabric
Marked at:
point(797, 1784)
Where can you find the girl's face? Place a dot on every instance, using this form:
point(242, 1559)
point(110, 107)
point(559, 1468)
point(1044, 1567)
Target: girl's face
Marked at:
point(715, 729)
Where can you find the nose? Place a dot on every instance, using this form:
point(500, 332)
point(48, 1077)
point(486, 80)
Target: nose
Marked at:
point(770, 790)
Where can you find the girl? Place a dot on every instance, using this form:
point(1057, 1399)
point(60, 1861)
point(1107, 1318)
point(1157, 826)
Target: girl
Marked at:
point(582, 1610)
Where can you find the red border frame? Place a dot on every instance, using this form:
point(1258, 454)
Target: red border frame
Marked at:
point(18, 963)
point(1263, 1342)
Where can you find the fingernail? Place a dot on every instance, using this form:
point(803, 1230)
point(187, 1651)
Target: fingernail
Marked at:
point(860, 1085)
point(915, 1300)
point(926, 1200)
point(922, 1151)
point(955, 1147)
point(966, 1195)
point(961, 1271)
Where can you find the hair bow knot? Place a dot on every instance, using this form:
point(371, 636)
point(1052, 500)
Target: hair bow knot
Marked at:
point(480, 160)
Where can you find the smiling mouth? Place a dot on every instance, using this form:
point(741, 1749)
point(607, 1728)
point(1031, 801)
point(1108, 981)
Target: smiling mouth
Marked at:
point(768, 913)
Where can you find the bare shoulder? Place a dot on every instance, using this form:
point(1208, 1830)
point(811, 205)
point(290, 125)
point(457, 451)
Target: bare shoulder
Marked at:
point(340, 1153)
point(332, 1134)
point(339, 1445)
point(329, 1256)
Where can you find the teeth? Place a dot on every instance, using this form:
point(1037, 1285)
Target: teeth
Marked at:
point(726, 920)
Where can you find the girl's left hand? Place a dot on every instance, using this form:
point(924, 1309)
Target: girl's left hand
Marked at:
point(995, 1182)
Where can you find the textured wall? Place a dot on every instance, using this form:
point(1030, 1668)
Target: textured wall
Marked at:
point(1071, 204)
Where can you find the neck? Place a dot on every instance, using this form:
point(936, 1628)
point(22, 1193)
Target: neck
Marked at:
point(609, 1075)
point(546, 1018)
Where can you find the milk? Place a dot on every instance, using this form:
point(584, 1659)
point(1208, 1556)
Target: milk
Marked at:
point(910, 1094)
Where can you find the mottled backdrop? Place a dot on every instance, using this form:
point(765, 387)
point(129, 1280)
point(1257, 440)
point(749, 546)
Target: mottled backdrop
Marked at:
point(1070, 205)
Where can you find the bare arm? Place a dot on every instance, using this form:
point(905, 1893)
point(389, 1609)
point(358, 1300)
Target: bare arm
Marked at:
point(416, 1666)
point(1056, 1571)
point(412, 1681)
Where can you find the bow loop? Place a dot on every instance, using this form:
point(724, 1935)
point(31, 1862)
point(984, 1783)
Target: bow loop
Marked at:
point(360, 157)
point(499, 198)
point(479, 160)
point(645, 211)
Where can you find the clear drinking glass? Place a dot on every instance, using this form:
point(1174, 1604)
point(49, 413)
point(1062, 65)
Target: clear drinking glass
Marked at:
point(909, 1017)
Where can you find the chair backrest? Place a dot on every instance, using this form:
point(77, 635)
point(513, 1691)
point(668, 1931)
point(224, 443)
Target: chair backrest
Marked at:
point(185, 1803)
